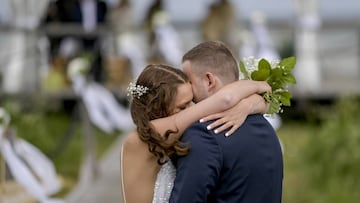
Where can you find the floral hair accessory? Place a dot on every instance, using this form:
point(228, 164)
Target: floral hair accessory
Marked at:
point(136, 90)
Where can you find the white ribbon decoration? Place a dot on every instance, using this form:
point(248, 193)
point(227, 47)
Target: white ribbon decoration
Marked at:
point(89, 11)
point(129, 46)
point(22, 173)
point(167, 39)
point(101, 105)
point(40, 165)
point(103, 109)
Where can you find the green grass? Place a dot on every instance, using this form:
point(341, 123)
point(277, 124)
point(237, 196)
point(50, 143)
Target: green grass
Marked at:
point(322, 159)
point(294, 137)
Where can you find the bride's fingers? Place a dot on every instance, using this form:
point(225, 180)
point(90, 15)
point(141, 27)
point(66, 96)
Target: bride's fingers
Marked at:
point(234, 127)
point(224, 127)
point(265, 87)
point(211, 117)
point(232, 130)
point(216, 123)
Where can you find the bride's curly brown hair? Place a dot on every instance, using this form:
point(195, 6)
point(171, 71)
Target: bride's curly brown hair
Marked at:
point(162, 82)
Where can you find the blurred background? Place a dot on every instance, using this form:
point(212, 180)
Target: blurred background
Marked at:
point(65, 66)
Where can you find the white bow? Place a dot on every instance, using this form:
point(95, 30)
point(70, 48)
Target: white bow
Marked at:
point(129, 46)
point(104, 110)
point(46, 182)
point(101, 105)
point(167, 39)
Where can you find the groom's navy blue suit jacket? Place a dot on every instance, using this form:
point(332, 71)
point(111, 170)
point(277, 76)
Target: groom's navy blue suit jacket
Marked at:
point(245, 167)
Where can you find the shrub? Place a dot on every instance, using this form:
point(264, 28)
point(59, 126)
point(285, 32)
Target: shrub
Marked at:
point(331, 158)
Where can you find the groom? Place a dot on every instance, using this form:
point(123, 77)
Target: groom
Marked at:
point(245, 167)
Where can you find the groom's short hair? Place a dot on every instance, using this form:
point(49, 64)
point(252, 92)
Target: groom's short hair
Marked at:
point(216, 57)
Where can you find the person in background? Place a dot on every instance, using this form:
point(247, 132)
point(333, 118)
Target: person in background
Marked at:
point(221, 24)
point(88, 14)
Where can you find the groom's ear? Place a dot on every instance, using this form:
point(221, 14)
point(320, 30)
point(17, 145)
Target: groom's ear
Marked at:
point(211, 81)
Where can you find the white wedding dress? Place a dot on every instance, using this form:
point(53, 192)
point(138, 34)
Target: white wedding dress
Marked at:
point(164, 182)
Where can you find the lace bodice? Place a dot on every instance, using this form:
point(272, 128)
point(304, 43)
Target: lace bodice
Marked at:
point(164, 183)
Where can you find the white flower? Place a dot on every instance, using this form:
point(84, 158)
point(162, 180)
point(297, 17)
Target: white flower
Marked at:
point(78, 66)
point(252, 64)
point(4, 117)
point(136, 90)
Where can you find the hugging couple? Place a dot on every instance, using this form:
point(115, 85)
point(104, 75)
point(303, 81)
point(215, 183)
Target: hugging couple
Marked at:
point(200, 134)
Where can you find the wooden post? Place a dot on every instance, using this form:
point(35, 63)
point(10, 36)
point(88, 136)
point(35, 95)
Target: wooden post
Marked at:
point(89, 167)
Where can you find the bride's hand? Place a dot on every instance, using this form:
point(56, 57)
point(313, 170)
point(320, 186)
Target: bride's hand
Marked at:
point(234, 117)
point(263, 87)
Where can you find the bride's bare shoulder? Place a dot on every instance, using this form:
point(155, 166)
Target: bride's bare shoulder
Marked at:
point(131, 137)
point(132, 141)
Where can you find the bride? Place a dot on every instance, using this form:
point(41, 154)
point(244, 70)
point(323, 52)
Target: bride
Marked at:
point(162, 109)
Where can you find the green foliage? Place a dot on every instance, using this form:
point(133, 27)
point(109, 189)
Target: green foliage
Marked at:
point(263, 72)
point(277, 75)
point(331, 158)
point(244, 71)
point(321, 156)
